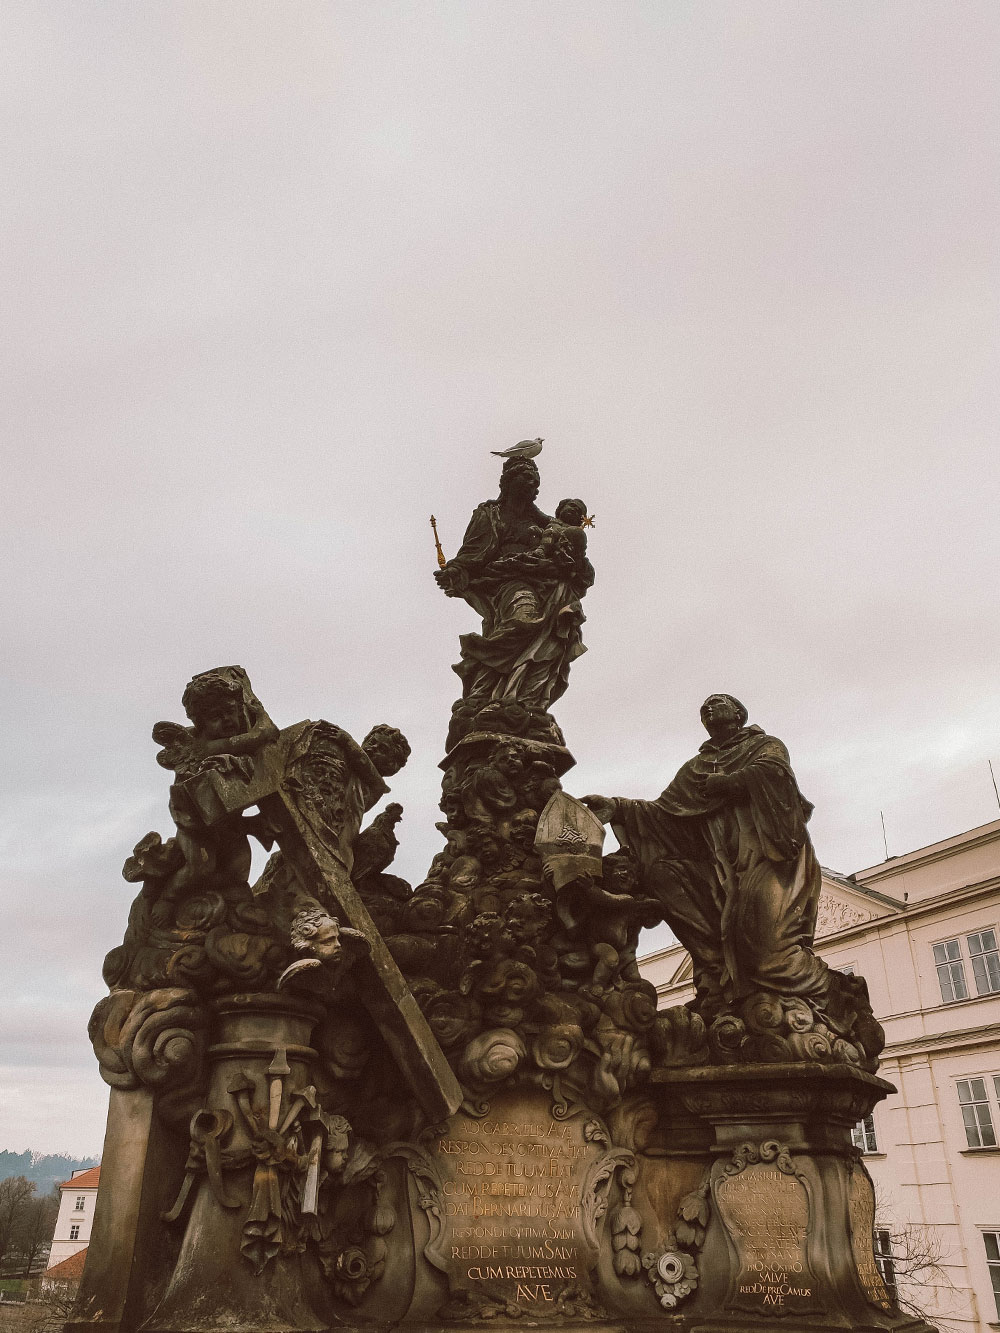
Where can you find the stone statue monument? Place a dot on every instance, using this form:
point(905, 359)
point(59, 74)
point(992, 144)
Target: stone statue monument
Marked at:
point(525, 575)
point(726, 854)
point(342, 1102)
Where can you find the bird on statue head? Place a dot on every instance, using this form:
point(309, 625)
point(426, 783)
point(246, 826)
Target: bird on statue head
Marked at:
point(526, 449)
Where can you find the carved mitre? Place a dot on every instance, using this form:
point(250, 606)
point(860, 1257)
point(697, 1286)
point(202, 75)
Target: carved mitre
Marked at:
point(569, 840)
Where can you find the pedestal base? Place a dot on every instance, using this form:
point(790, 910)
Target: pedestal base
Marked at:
point(719, 1199)
point(789, 1239)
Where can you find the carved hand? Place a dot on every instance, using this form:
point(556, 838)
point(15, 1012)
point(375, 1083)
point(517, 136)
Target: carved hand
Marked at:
point(447, 580)
point(604, 807)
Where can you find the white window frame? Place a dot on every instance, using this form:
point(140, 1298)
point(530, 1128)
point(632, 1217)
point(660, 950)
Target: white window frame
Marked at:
point(993, 1265)
point(951, 964)
point(990, 1101)
point(989, 972)
point(976, 981)
point(864, 1135)
point(81, 1203)
point(75, 1228)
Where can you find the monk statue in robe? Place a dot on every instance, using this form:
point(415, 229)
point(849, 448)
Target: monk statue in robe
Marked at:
point(725, 852)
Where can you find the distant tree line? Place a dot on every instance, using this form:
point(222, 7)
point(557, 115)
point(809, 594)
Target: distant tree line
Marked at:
point(45, 1169)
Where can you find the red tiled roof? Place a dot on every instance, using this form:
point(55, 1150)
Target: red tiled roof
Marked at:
point(71, 1269)
point(86, 1180)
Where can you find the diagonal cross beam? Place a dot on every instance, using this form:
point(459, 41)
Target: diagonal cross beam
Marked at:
point(216, 795)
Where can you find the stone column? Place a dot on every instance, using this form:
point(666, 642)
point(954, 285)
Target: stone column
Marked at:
point(140, 1172)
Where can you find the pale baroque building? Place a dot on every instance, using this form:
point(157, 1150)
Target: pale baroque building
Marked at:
point(924, 930)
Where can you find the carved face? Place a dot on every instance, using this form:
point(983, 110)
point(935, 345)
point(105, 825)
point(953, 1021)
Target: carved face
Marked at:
point(521, 484)
point(571, 512)
point(618, 875)
point(325, 943)
point(387, 752)
point(335, 1152)
point(720, 714)
point(507, 758)
point(218, 716)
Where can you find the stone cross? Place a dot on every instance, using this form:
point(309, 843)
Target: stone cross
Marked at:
point(216, 796)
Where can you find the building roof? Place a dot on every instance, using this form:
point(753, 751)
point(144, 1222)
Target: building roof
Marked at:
point(849, 882)
point(86, 1180)
point(71, 1269)
point(933, 851)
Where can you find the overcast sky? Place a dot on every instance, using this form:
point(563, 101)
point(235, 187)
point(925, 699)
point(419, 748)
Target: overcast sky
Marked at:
point(277, 277)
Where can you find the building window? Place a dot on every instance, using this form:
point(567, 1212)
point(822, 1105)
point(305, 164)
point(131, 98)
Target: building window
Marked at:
point(863, 1135)
point(985, 960)
point(976, 1113)
point(884, 1262)
point(984, 955)
point(951, 971)
point(81, 1203)
point(992, 1239)
point(848, 969)
point(74, 1231)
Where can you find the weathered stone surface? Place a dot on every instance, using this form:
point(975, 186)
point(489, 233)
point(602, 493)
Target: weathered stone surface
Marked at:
point(789, 1234)
point(129, 1252)
point(342, 1103)
point(519, 1197)
point(243, 1022)
point(763, 1205)
point(726, 855)
point(321, 858)
point(525, 574)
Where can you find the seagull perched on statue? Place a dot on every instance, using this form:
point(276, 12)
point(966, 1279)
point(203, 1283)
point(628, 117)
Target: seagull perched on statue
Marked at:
point(526, 449)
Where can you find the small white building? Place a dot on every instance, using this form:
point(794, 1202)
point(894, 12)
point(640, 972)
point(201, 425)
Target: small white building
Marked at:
point(77, 1201)
point(924, 930)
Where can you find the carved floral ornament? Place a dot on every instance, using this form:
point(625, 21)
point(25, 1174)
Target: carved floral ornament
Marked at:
point(836, 914)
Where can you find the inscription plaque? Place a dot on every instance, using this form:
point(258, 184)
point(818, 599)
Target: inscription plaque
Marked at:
point(521, 1197)
point(764, 1206)
point(861, 1198)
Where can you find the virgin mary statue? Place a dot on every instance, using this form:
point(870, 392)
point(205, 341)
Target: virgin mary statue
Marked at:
point(524, 573)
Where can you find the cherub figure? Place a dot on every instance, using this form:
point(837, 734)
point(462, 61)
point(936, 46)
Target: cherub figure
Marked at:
point(606, 918)
point(321, 939)
point(228, 726)
point(228, 723)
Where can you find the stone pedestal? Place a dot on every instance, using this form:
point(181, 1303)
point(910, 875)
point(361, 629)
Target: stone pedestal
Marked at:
point(140, 1173)
point(510, 1211)
point(789, 1236)
point(233, 1270)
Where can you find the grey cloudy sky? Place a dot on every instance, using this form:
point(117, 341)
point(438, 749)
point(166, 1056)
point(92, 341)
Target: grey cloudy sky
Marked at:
point(277, 276)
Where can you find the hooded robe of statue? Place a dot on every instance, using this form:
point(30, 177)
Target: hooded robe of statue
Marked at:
point(735, 874)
